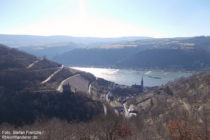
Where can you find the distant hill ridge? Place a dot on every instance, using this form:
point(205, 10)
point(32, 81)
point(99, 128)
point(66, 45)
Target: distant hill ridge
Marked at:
point(170, 53)
point(51, 46)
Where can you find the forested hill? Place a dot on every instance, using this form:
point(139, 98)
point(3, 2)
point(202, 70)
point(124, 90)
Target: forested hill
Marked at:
point(178, 110)
point(174, 53)
point(28, 90)
point(12, 58)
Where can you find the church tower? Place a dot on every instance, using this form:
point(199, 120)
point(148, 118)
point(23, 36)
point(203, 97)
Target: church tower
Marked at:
point(142, 84)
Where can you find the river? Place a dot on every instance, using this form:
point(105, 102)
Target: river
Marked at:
point(130, 77)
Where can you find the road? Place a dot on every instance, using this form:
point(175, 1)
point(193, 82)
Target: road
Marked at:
point(52, 75)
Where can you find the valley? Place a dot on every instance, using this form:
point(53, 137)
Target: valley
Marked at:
point(38, 90)
point(49, 77)
point(104, 70)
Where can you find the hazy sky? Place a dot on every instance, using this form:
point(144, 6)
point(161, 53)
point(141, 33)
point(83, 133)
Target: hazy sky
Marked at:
point(106, 18)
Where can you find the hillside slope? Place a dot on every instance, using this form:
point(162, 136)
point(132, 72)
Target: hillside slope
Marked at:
point(28, 90)
point(94, 57)
point(181, 105)
point(169, 59)
point(175, 53)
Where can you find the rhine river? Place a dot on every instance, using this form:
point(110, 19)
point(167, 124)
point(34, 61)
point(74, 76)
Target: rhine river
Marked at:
point(130, 77)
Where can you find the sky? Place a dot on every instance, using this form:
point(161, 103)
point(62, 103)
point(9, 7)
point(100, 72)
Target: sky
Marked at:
point(106, 18)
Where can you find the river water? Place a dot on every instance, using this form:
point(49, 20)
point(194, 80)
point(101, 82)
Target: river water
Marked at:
point(130, 77)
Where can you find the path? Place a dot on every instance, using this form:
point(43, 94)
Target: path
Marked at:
point(35, 62)
point(52, 75)
point(89, 88)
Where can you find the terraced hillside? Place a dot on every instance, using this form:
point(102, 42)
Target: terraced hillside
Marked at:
point(28, 90)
